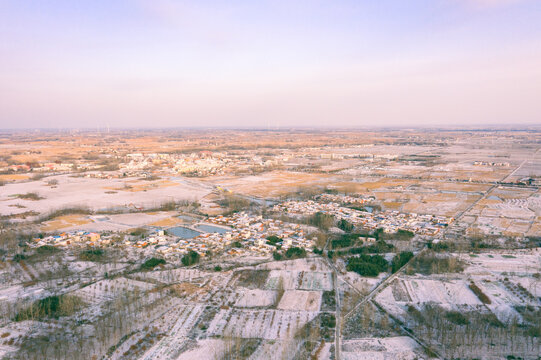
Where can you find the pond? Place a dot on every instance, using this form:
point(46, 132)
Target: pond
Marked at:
point(186, 217)
point(183, 232)
point(211, 229)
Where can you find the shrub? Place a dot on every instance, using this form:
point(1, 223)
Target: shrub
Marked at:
point(190, 258)
point(273, 240)
point(380, 234)
point(44, 249)
point(439, 246)
point(217, 268)
point(276, 256)
point(91, 254)
point(47, 250)
point(321, 220)
point(152, 263)
point(380, 247)
point(138, 232)
point(403, 234)
point(345, 240)
point(345, 225)
point(295, 253)
point(480, 294)
point(401, 260)
point(431, 263)
point(328, 320)
point(234, 203)
point(52, 306)
point(30, 196)
point(19, 257)
point(457, 318)
point(367, 265)
point(237, 244)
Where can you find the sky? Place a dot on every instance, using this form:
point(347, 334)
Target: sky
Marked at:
point(268, 64)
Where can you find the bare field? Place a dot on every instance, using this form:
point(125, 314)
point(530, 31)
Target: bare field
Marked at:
point(92, 193)
point(274, 184)
point(66, 221)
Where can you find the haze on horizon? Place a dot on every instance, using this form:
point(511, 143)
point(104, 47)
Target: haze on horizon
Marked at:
point(167, 63)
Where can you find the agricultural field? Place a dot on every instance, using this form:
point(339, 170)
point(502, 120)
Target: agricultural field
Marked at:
point(301, 244)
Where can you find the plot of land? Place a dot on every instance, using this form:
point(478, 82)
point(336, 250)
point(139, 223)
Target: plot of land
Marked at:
point(273, 184)
point(92, 193)
point(300, 300)
point(66, 221)
point(255, 298)
point(266, 324)
point(400, 347)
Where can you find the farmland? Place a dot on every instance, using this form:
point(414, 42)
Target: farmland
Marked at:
point(270, 244)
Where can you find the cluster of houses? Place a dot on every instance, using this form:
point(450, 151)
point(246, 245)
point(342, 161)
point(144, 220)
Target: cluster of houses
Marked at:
point(202, 163)
point(491, 163)
point(240, 234)
point(253, 231)
point(390, 221)
point(344, 199)
point(72, 238)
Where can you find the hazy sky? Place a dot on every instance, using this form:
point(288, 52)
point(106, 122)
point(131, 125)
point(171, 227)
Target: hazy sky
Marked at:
point(88, 63)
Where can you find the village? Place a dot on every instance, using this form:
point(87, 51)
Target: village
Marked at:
point(238, 235)
point(245, 234)
point(162, 249)
point(389, 220)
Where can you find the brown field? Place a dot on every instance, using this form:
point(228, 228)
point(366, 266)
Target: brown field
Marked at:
point(171, 221)
point(136, 186)
point(14, 177)
point(275, 184)
point(65, 221)
point(392, 205)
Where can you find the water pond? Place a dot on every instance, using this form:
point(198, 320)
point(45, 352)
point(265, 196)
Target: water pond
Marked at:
point(211, 229)
point(183, 232)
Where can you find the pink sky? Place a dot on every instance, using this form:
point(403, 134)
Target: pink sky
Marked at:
point(162, 63)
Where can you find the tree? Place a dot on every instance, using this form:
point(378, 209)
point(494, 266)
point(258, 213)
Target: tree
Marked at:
point(321, 220)
point(295, 253)
point(401, 260)
point(152, 263)
point(190, 258)
point(367, 265)
point(345, 225)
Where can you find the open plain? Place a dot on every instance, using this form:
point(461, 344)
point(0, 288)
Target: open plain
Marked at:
point(403, 244)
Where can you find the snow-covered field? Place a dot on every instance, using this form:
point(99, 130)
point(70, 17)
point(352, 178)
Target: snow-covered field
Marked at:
point(305, 280)
point(170, 346)
point(175, 275)
point(400, 348)
point(95, 193)
point(306, 264)
point(519, 263)
point(420, 291)
point(255, 298)
point(265, 324)
point(300, 300)
point(211, 349)
point(109, 289)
